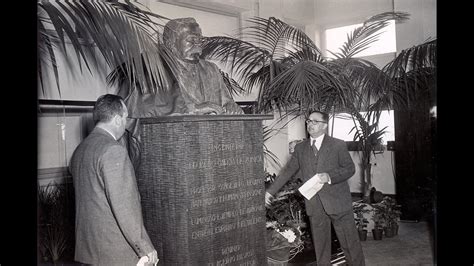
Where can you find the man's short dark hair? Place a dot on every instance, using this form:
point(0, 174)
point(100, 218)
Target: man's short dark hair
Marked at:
point(106, 107)
point(324, 114)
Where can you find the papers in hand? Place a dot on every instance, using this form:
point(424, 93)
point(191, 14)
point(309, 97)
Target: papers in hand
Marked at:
point(311, 187)
point(144, 261)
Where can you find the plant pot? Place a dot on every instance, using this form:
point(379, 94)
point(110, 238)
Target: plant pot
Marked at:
point(362, 235)
point(278, 257)
point(377, 234)
point(272, 262)
point(389, 231)
point(395, 229)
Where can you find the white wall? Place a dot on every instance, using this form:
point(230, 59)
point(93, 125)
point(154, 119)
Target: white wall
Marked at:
point(277, 144)
point(75, 84)
point(422, 23)
point(383, 172)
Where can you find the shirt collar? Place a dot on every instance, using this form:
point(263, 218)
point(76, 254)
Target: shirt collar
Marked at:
point(106, 130)
point(319, 141)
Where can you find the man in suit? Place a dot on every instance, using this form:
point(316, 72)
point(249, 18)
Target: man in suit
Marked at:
point(109, 222)
point(328, 158)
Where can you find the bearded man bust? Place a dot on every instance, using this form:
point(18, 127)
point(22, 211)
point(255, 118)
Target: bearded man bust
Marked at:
point(197, 84)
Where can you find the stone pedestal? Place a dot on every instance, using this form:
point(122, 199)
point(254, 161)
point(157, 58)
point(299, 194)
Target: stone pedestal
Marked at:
point(201, 181)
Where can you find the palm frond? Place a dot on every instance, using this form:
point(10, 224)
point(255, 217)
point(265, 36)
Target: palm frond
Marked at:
point(269, 40)
point(368, 83)
point(412, 59)
point(306, 53)
point(413, 72)
point(306, 84)
point(231, 84)
point(121, 32)
point(261, 78)
point(276, 36)
point(361, 37)
point(243, 57)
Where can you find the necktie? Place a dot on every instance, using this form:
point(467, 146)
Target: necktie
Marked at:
point(315, 149)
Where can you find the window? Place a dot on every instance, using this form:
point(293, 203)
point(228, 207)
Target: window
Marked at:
point(386, 42)
point(343, 124)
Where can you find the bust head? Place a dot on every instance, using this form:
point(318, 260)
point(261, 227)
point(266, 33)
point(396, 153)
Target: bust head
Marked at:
point(183, 37)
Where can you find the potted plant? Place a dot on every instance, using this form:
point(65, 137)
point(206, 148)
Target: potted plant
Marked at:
point(361, 222)
point(379, 221)
point(55, 224)
point(369, 138)
point(392, 215)
point(286, 226)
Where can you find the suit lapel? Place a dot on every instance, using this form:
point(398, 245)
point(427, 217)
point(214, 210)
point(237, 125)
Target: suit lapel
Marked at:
point(308, 156)
point(324, 149)
point(307, 150)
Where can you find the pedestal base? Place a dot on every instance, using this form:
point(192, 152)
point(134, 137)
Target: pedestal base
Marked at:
point(201, 182)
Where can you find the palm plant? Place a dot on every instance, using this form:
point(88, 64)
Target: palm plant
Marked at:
point(293, 76)
point(122, 33)
point(56, 222)
point(290, 71)
point(369, 138)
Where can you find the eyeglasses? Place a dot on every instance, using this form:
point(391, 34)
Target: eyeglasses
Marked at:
point(309, 121)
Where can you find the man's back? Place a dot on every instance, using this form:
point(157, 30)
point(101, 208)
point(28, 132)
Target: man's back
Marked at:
point(99, 239)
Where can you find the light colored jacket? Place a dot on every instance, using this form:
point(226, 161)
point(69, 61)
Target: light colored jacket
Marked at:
point(109, 222)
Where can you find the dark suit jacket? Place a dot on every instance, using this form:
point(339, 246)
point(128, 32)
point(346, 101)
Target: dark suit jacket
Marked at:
point(334, 159)
point(109, 223)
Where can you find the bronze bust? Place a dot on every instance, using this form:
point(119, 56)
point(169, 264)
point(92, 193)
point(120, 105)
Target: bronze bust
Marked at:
point(198, 87)
point(200, 82)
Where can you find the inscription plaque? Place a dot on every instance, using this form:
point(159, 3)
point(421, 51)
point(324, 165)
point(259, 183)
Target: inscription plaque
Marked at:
point(201, 182)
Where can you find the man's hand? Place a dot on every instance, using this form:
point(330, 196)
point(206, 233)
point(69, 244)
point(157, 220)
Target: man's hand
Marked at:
point(268, 199)
point(150, 259)
point(153, 257)
point(208, 108)
point(232, 108)
point(324, 178)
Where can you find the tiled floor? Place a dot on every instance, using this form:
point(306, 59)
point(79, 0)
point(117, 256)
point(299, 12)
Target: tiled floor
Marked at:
point(412, 246)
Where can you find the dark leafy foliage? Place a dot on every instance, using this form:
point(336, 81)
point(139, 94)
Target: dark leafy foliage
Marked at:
point(123, 34)
point(56, 223)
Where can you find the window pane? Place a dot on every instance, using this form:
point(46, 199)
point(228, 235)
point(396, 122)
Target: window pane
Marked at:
point(343, 124)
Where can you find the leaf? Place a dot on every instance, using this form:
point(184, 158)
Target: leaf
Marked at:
point(121, 32)
point(361, 37)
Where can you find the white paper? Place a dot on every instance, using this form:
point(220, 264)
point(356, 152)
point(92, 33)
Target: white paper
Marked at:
point(144, 261)
point(311, 187)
